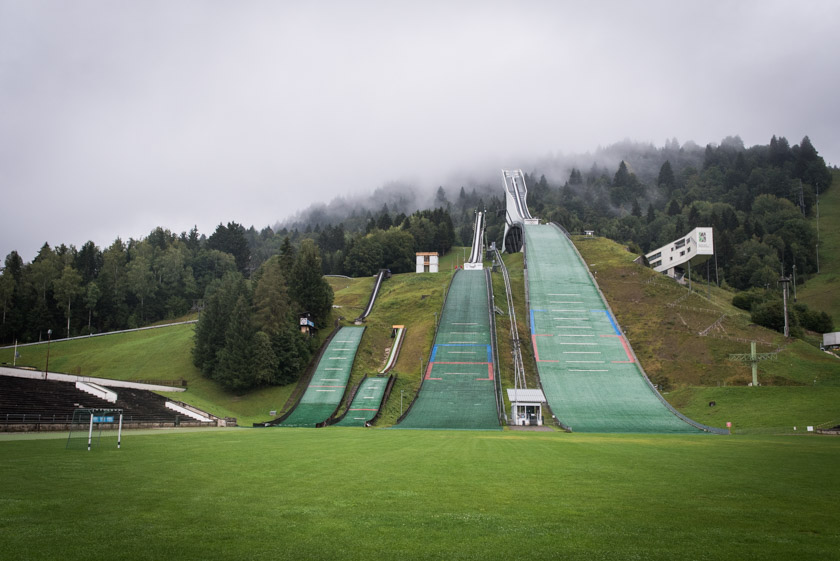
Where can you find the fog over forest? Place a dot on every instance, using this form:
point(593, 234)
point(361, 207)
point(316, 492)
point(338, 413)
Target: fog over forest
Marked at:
point(643, 159)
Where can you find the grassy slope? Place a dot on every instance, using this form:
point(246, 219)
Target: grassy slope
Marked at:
point(806, 381)
point(277, 494)
point(821, 292)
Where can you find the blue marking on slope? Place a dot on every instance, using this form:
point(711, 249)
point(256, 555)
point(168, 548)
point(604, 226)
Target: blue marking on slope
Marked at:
point(534, 329)
point(609, 317)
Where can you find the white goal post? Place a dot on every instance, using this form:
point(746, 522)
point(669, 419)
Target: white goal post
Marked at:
point(83, 423)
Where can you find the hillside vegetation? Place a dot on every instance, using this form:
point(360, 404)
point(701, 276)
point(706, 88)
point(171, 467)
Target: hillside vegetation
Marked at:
point(822, 292)
point(663, 321)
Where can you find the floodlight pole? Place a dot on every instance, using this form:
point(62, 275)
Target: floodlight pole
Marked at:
point(47, 367)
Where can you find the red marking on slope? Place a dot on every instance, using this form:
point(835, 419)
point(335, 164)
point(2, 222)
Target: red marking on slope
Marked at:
point(489, 372)
point(630, 359)
point(536, 352)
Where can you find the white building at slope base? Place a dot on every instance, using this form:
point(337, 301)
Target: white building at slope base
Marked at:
point(678, 256)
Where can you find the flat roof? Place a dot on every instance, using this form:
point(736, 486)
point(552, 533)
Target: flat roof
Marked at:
point(533, 396)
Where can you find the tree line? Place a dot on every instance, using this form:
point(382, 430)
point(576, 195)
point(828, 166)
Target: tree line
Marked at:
point(758, 200)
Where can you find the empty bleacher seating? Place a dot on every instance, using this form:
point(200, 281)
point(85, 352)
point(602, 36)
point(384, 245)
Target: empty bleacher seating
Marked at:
point(45, 402)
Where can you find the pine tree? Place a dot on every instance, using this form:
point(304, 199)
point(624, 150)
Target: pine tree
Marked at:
point(666, 178)
point(235, 369)
point(287, 255)
point(307, 286)
point(264, 360)
point(211, 329)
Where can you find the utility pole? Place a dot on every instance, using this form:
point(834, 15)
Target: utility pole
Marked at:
point(784, 281)
point(818, 228)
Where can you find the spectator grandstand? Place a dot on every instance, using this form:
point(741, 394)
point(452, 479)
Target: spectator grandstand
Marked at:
point(28, 404)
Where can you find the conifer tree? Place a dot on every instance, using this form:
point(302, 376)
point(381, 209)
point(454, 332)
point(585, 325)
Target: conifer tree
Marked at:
point(235, 368)
point(308, 288)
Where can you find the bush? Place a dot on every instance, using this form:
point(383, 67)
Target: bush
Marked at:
point(748, 298)
point(813, 320)
point(769, 314)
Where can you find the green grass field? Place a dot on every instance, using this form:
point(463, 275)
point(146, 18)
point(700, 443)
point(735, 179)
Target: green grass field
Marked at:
point(273, 494)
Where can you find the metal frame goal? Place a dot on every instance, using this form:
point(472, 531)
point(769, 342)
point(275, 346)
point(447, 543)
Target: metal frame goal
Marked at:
point(87, 425)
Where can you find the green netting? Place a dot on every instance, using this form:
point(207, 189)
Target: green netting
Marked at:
point(365, 403)
point(326, 389)
point(587, 370)
point(458, 391)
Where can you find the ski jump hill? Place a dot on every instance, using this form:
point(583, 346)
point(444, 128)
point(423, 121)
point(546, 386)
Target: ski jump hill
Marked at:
point(366, 402)
point(459, 389)
point(326, 389)
point(588, 371)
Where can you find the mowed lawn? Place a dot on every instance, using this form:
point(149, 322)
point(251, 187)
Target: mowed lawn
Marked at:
point(336, 493)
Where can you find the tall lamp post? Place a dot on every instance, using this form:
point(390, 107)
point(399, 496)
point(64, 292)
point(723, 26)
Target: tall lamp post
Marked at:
point(47, 367)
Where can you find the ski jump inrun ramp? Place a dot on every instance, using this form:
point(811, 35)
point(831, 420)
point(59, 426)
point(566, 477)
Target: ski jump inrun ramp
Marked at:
point(381, 276)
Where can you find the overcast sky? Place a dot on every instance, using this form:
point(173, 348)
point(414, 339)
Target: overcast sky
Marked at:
point(117, 117)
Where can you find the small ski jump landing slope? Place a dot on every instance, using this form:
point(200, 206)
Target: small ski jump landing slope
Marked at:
point(366, 402)
point(458, 390)
point(588, 371)
point(325, 391)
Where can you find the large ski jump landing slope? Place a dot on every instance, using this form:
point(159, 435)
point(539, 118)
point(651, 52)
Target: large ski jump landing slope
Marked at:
point(588, 372)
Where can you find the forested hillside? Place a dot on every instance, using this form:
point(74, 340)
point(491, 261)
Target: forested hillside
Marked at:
point(760, 201)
